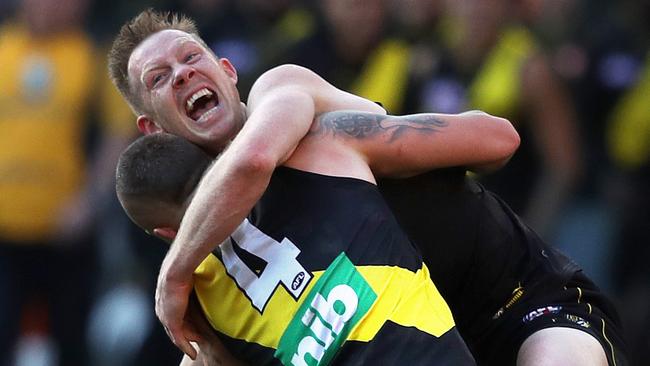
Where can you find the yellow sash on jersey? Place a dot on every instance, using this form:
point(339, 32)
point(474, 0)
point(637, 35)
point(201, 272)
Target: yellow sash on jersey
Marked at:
point(403, 297)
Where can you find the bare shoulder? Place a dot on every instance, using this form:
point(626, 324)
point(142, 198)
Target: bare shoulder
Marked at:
point(286, 75)
point(326, 96)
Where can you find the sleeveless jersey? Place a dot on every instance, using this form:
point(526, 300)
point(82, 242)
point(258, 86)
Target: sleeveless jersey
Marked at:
point(320, 273)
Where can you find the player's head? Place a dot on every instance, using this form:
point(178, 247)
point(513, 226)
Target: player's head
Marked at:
point(155, 180)
point(174, 82)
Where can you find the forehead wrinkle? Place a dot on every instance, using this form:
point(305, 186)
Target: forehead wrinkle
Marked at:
point(168, 41)
point(149, 66)
point(152, 64)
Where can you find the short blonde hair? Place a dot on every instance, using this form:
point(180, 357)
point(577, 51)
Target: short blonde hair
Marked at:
point(131, 35)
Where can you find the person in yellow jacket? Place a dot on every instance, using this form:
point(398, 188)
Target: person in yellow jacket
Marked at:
point(50, 192)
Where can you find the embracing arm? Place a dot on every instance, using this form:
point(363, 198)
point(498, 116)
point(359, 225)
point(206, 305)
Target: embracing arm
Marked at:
point(411, 144)
point(226, 194)
point(238, 178)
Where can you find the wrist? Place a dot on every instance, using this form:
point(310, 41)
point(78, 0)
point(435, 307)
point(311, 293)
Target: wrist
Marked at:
point(174, 270)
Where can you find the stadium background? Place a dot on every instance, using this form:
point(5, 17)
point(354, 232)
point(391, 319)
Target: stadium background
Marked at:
point(584, 185)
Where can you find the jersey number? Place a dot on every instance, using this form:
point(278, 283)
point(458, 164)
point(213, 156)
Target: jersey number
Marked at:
point(282, 267)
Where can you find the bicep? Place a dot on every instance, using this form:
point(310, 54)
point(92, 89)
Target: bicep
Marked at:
point(281, 109)
point(277, 123)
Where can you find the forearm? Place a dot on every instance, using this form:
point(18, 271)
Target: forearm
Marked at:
point(225, 196)
point(407, 145)
point(500, 142)
point(239, 177)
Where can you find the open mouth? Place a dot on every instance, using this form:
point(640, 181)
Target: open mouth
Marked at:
point(200, 103)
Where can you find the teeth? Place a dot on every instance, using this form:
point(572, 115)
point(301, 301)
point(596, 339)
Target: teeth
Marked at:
point(196, 96)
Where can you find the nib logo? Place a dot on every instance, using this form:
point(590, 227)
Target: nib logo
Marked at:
point(339, 299)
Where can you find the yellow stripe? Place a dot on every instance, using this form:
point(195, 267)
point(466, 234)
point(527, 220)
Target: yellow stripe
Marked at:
point(611, 347)
point(406, 298)
point(628, 127)
point(402, 297)
point(496, 88)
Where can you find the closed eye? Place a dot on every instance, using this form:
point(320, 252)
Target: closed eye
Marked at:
point(157, 79)
point(191, 56)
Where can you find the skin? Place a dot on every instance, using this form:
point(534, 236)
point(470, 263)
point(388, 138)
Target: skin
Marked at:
point(280, 113)
point(169, 67)
point(561, 346)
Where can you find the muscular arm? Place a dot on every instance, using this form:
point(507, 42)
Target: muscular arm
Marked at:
point(226, 194)
point(395, 146)
point(280, 115)
point(407, 145)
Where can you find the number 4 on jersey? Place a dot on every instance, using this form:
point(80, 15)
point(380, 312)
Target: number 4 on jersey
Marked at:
point(282, 267)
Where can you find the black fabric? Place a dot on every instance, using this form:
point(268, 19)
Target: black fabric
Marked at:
point(52, 277)
point(578, 304)
point(478, 252)
point(334, 215)
point(419, 352)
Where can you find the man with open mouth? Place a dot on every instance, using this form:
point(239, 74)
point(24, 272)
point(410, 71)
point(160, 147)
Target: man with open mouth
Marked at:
point(175, 84)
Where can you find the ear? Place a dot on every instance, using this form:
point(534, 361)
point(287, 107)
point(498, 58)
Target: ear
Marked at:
point(228, 68)
point(165, 233)
point(147, 126)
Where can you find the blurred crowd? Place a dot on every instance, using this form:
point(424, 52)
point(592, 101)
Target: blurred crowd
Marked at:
point(77, 279)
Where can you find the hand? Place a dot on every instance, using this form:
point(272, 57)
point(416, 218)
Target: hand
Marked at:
point(172, 296)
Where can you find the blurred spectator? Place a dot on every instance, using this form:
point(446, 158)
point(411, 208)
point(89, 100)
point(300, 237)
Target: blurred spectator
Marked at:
point(349, 49)
point(106, 17)
point(629, 145)
point(253, 34)
point(50, 195)
point(598, 63)
point(493, 63)
point(6, 8)
point(421, 24)
point(123, 329)
point(508, 57)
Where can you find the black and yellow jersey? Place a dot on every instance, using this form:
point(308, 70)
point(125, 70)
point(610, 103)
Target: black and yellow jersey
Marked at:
point(320, 273)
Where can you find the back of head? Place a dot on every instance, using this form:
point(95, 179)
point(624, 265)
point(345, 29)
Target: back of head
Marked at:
point(156, 176)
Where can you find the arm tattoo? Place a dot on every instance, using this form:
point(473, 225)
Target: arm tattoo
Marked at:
point(361, 124)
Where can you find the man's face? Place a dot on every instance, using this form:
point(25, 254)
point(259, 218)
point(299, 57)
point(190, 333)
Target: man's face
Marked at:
point(185, 89)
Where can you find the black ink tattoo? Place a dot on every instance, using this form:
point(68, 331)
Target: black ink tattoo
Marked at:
point(362, 125)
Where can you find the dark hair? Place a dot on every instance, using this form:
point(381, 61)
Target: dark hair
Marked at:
point(161, 167)
point(131, 35)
